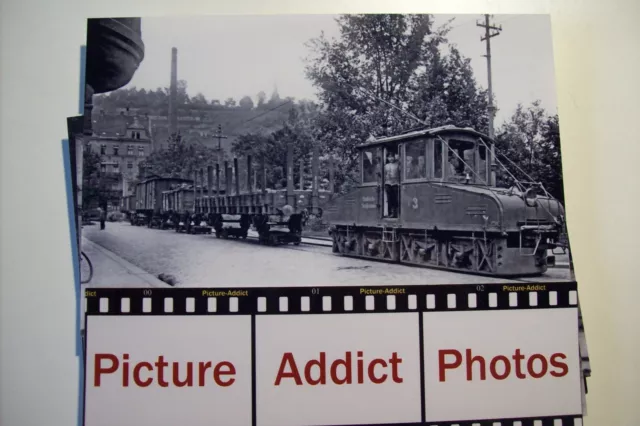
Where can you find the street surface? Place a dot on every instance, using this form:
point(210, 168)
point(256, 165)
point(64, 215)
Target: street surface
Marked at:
point(205, 261)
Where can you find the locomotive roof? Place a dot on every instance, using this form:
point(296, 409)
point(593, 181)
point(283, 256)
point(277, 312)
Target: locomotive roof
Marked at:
point(426, 132)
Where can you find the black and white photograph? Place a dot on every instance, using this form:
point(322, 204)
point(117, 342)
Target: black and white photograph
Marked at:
point(311, 150)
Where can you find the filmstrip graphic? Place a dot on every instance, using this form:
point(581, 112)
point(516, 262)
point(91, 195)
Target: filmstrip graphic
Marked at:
point(415, 355)
point(316, 300)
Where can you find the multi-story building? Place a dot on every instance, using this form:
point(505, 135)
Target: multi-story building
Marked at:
point(123, 143)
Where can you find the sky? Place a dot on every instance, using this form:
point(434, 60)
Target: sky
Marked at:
point(238, 55)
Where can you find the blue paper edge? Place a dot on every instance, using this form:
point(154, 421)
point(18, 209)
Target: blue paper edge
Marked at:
point(74, 239)
point(76, 272)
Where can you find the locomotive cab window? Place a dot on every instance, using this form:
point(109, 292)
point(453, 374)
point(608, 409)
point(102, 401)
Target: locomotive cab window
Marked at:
point(437, 158)
point(461, 161)
point(415, 164)
point(370, 165)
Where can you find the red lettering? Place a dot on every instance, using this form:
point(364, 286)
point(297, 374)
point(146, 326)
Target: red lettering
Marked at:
point(507, 367)
point(470, 360)
point(360, 368)
point(518, 357)
point(372, 376)
point(125, 371)
point(287, 358)
point(564, 369)
point(501, 366)
point(201, 372)
point(394, 361)
point(321, 364)
point(347, 368)
point(136, 374)
point(530, 369)
point(217, 372)
point(176, 373)
point(160, 364)
point(99, 369)
point(442, 365)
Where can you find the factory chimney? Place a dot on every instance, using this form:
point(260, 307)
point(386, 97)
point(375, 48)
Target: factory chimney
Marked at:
point(173, 94)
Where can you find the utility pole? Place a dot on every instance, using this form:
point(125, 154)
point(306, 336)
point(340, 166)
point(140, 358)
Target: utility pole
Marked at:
point(219, 136)
point(487, 38)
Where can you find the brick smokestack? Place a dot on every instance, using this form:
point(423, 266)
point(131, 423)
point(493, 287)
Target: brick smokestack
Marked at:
point(173, 93)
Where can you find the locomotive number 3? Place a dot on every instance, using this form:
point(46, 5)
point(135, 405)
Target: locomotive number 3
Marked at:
point(414, 203)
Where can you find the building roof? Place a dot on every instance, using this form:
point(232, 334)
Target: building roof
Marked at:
point(115, 125)
point(136, 125)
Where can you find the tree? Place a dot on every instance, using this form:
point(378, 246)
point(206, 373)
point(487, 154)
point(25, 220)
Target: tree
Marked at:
point(380, 66)
point(274, 99)
point(199, 99)
point(180, 159)
point(299, 129)
point(528, 144)
point(97, 187)
point(262, 97)
point(230, 102)
point(182, 97)
point(246, 103)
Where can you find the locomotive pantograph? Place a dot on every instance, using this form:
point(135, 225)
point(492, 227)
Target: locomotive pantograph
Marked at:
point(429, 198)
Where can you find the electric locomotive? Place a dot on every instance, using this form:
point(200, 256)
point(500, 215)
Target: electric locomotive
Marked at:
point(429, 198)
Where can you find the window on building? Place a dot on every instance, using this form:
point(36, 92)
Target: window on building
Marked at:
point(116, 148)
point(130, 150)
point(103, 168)
point(129, 165)
point(141, 151)
point(103, 149)
point(116, 167)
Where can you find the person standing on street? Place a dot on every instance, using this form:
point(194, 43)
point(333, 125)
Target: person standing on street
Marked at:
point(103, 218)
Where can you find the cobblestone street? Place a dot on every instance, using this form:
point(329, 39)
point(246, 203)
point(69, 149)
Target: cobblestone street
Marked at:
point(205, 261)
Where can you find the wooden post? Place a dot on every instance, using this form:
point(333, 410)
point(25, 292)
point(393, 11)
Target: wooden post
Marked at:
point(249, 174)
point(201, 187)
point(331, 175)
point(235, 175)
point(314, 177)
point(264, 175)
point(301, 174)
point(218, 210)
point(227, 185)
point(290, 196)
point(210, 187)
point(195, 189)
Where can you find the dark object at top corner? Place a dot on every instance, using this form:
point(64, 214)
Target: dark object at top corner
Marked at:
point(114, 52)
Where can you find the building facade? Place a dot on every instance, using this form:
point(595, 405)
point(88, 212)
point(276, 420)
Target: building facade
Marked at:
point(123, 143)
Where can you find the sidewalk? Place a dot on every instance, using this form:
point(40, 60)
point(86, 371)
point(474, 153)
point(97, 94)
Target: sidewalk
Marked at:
point(111, 271)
